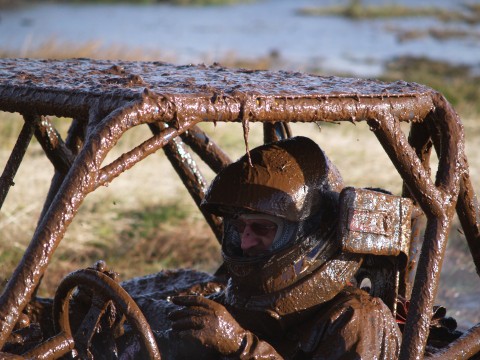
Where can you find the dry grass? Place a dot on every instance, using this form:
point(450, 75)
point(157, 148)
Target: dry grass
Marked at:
point(145, 221)
point(54, 49)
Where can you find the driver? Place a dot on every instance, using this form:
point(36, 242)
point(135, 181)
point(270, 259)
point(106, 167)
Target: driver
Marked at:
point(289, 294)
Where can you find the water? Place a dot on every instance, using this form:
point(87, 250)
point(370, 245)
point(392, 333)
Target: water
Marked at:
point(207, 34)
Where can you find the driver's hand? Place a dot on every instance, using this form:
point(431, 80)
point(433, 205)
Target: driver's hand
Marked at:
point(209, 323)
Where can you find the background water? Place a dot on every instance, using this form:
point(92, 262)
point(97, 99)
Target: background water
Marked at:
point(208, 34)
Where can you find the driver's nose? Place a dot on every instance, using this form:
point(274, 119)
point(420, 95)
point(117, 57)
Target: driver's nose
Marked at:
point(248, 239)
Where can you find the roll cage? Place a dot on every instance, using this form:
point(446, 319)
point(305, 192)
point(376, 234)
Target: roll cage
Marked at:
point(107, 98)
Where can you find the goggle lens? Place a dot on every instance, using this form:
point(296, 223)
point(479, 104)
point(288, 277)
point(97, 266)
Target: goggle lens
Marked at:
point(258, 228)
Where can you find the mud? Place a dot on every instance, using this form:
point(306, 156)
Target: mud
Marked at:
point(104, 289)
point(280, 194)
point(108, 98)
point(215, 93)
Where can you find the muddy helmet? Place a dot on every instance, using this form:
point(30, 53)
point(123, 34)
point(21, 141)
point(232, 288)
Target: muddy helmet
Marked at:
point(292, 180)
point(286, 179)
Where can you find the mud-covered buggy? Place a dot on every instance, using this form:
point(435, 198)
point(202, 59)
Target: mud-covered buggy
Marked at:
point(404, 237)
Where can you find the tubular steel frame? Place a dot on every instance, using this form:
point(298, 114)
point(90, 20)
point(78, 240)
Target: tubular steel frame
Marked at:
point(105, 99)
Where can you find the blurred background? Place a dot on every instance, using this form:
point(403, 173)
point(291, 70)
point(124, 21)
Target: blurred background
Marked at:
point(137, 230)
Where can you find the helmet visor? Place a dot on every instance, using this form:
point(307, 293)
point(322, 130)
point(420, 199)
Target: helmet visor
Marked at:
point(255, 235)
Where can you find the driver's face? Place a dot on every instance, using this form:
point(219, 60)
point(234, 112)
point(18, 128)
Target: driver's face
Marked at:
point(256, 235)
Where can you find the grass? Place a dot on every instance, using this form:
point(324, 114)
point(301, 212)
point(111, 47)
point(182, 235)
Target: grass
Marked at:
point(139, 224)
point(438, 33)
point(145, 221)
point(357, 10)
point(466, 13)
point(54, 49)
point(458, 83)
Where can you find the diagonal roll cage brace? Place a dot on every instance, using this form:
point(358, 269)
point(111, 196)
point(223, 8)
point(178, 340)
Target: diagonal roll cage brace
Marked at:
point(107, 98)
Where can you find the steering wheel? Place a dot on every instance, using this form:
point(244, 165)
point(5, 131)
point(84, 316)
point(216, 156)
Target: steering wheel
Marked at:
point(105, 292)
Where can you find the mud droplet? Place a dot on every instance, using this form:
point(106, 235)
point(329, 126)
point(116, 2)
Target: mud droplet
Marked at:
point(246, 129)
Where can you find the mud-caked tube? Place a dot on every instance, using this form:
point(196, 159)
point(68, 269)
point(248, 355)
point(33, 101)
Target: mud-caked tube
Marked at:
point(109, 289)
